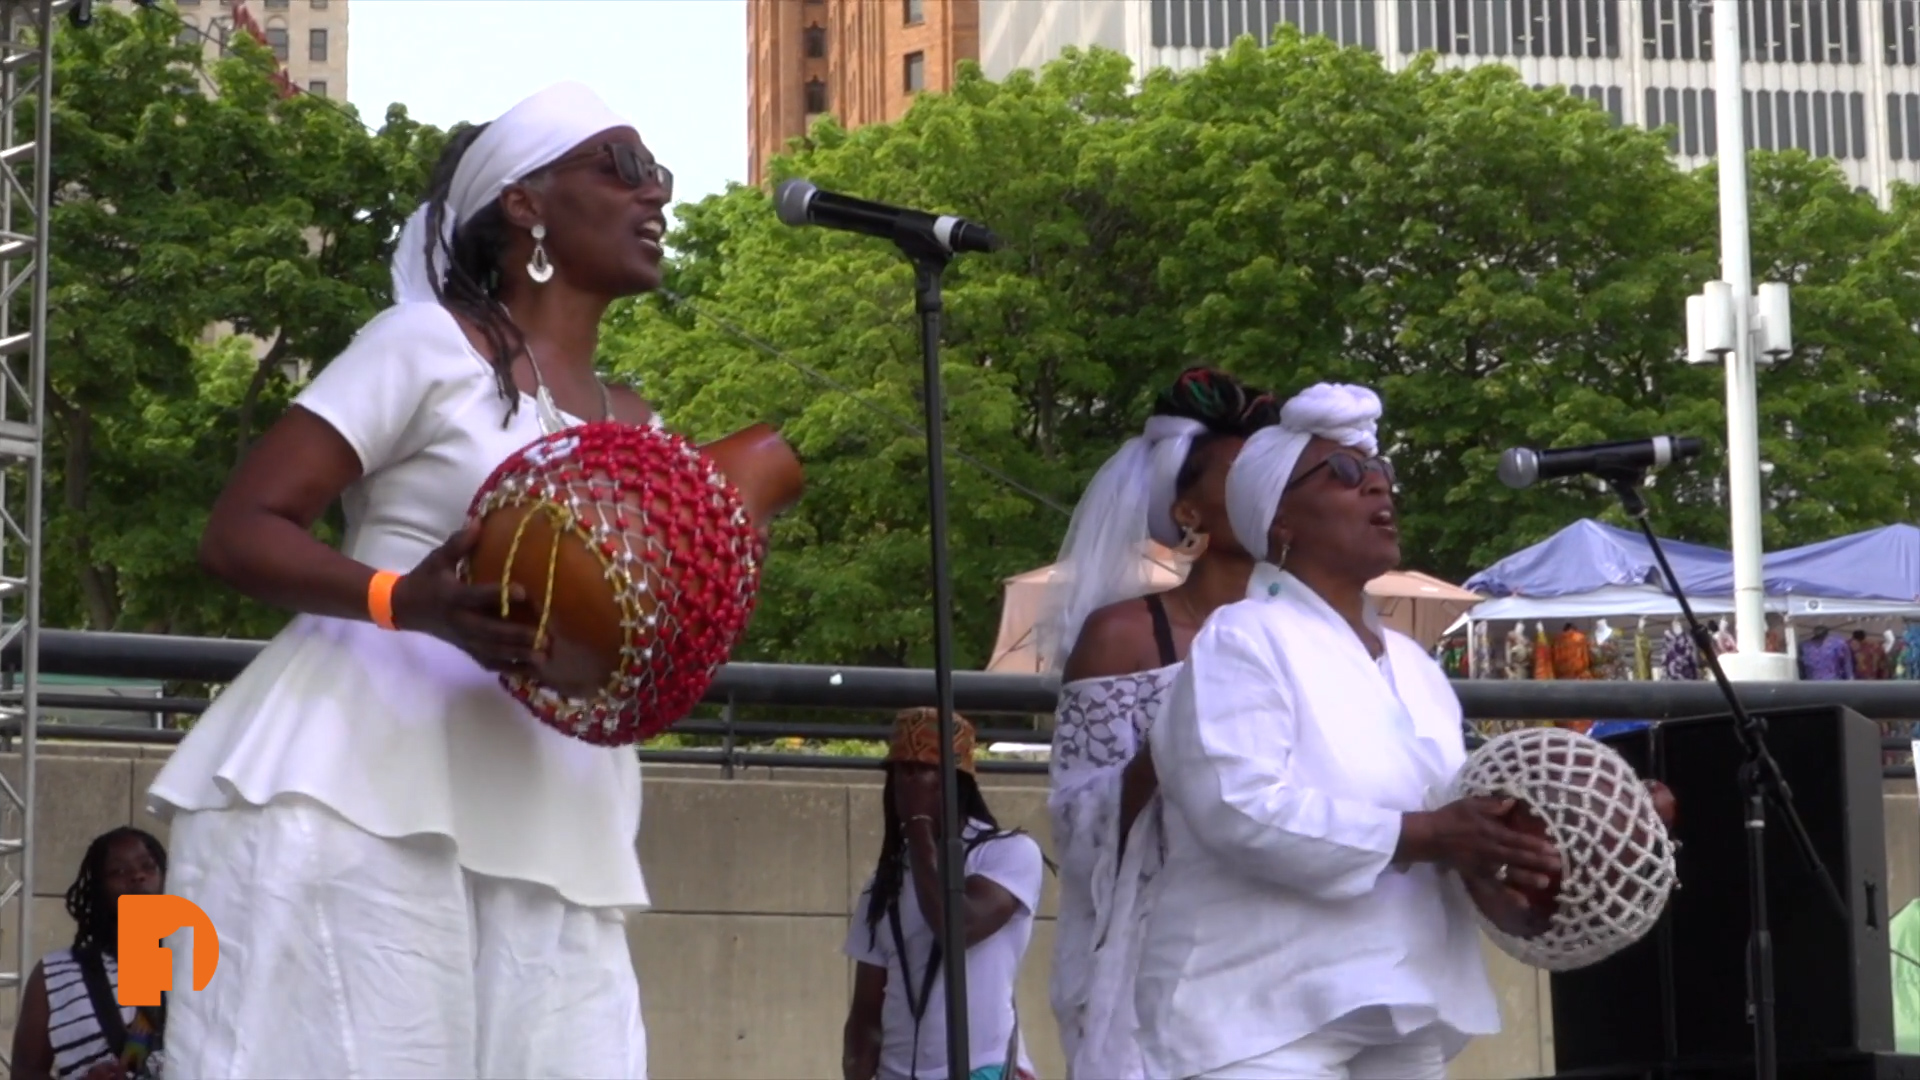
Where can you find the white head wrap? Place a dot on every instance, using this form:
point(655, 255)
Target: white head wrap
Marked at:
point(535, 133)
point(1345, 414)
point(1104, 557)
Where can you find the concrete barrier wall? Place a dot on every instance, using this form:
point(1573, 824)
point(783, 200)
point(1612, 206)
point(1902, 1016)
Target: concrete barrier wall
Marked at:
point(753, 878)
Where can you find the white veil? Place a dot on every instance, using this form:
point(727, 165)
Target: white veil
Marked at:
point(1104, 557)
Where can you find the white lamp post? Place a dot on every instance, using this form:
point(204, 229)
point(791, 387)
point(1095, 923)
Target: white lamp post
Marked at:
point(1728, 324)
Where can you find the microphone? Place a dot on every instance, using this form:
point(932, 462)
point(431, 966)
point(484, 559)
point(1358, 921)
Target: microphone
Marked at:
point(798, 202)
point(1521, 467)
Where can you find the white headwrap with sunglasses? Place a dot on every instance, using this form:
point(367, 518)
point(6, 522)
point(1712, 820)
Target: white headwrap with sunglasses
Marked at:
point(1347, 415)
point(1103, 560)
point(533, 134)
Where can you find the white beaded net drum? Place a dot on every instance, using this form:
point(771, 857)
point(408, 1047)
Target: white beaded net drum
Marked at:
point(1616, 856)
point(640, 563)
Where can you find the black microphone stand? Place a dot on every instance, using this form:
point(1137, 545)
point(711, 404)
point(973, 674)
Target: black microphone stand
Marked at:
point(914, 235)
point(1761, 782)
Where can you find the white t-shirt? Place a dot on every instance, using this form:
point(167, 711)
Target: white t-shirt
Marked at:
point(401, 733)
point(993, 966)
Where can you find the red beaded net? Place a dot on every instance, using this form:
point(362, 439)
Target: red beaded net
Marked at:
point(680, 553)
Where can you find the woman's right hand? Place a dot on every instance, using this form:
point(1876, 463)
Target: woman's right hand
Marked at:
point(1471, 837)
point(433, 600)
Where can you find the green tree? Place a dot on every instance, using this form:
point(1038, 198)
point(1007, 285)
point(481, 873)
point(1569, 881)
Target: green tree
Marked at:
point(1050, 349)
point(192, 200)
point(1507, 265)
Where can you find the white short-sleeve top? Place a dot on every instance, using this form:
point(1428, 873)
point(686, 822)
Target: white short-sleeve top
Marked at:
point(401, 733)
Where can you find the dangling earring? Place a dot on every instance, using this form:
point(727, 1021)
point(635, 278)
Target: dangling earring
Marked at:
point(1193, 542)
point(540, 268)
point(1285, 547)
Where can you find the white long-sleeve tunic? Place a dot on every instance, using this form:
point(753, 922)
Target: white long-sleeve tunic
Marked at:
point(1286, 756)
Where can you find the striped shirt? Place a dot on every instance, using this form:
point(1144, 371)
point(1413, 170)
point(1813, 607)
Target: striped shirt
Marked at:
point(72, 1025)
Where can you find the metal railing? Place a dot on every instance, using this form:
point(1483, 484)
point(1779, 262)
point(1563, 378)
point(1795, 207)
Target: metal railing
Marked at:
point(880, 690)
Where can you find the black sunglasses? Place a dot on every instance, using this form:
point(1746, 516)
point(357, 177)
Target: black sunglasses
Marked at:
point(632, 165)
point(1349, 470)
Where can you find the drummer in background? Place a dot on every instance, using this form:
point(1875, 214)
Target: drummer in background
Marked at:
point(411, 876)
point(1314, 921)
point(897, 1022)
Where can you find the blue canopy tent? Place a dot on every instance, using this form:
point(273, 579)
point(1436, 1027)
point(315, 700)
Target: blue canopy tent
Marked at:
point(1876, 572)
point(1590, 569)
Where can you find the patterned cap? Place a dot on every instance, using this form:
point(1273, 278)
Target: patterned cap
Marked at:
point(916, 738)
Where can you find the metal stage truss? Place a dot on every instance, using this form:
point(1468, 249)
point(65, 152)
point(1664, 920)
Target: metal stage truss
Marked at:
point(26, 65)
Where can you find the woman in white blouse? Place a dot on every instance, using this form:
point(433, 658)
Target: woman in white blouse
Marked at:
point(1312, 919)
point(1121, 646)
point(410, 875)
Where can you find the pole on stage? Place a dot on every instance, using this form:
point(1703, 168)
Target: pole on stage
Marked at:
point(929, 243)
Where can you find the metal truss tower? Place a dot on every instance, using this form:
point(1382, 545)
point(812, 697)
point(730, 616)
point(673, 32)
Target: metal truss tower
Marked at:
point(26, 120)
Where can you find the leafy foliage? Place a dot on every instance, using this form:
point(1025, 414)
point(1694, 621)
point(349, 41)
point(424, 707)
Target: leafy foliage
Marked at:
point(192, 200)
point(1505, 264)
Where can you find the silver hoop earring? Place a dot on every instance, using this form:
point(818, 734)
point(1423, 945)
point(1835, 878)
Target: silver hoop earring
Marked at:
point(1193, 542)
point(540, 268)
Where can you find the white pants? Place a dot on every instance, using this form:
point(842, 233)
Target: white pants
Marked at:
point(345, 955)
point(1361, 1046)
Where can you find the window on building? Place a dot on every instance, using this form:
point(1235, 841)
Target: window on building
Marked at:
point(1216, 24)
point(317, 45)
point(916, 11)
point(317, 87)
point(1585, 29)
point(189, 31)
point(278, 5)
point(1900, 26)
point(317, 3)
point(1771, 31)
point(916, 72)
point(816, 96)
point(815, 41)
point(189, 3)
point(277, 41)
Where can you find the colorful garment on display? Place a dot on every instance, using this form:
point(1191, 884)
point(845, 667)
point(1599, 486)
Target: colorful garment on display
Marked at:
point(1572, 656)
point(1826, 658)
point(1682, 659)
point(1453, 658)
point(1613, 658)
point(1542, 654)
point(1642, 655)
point(1478, 664)
point(1869, 658)
point(1910, 651)
point(1519, 657)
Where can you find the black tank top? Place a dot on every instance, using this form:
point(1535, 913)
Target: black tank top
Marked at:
point(1162, 630)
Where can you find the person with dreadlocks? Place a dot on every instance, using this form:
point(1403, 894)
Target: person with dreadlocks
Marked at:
point(71, 1024)
point(1117, 645)
point(411, 875)
point(896, 1025)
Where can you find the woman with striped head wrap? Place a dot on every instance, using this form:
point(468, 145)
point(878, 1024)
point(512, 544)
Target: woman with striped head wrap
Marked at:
point(1117, 645)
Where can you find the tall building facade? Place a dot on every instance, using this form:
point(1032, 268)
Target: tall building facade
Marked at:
point(1839, 79)
point(860, 60)
point(309, 37)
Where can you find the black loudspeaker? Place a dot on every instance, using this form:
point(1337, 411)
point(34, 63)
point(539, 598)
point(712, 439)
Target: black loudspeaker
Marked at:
point(1674, 1005)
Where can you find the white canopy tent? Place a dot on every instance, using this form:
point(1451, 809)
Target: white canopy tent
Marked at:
point(1418, 605)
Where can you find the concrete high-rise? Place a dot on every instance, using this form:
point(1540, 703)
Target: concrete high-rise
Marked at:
point(860, 60)
point(1839, 79)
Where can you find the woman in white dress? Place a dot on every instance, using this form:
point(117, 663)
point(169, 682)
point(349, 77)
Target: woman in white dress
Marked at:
point(409, 874)
point(1313, 919)
point(1120, 645)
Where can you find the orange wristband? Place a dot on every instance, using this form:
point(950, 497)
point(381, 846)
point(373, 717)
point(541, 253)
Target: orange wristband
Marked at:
point(380, 599)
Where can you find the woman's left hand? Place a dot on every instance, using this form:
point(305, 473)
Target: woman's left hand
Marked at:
point(107, 1070)
point(1505, 906)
